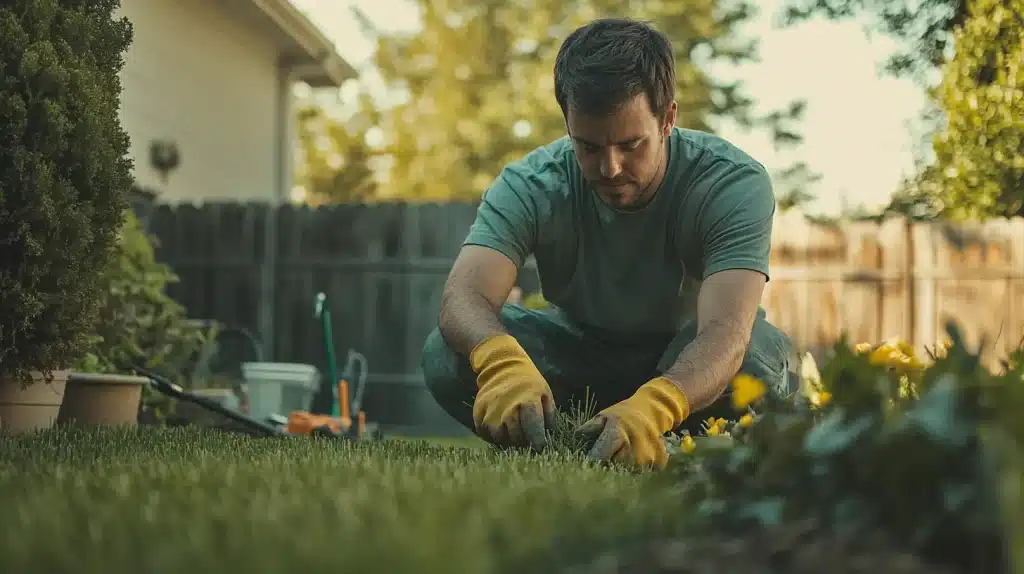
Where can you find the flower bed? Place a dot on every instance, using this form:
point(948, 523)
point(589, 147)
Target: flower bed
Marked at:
point(886, 445)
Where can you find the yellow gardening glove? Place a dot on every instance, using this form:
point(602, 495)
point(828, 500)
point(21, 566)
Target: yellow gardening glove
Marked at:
point(630, 432)
point(513, 403)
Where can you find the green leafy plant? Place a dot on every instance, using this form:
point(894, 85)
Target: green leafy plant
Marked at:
point(139, 323)
point(64, 175)
point(906, 449)
point(979, 164)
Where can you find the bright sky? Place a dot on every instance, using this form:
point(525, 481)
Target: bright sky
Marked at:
point(858, 130)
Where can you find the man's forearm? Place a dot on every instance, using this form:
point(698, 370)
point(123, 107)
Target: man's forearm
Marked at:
point(705, 367)
point(466, 320)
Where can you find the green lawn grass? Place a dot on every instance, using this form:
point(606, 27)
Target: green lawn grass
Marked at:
point(159, 500)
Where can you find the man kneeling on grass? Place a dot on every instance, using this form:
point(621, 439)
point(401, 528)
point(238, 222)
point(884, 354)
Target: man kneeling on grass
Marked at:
point(652, 245)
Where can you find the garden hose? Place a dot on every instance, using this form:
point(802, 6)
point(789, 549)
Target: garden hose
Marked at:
point(212, 346)
point(356, 357)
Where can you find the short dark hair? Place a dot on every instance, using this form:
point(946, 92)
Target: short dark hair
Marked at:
point(606, 63)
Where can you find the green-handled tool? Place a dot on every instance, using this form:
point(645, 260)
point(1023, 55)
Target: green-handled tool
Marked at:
point(356, 371)
point(323, 313)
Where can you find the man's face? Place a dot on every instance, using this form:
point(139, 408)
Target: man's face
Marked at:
point(623, 154)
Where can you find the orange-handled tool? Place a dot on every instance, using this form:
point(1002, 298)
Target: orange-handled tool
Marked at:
point(304, 423)
point(343, 409)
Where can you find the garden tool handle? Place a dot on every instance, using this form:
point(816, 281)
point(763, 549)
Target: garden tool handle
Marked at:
point(357, 357)
point(323, 312)
point(321, 298)
point(169, 388)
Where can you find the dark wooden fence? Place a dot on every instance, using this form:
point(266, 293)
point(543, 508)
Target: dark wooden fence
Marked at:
point(382, 266)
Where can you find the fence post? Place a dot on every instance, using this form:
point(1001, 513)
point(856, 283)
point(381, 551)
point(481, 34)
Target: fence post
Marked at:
point(268, 266)
point(909, 270)
point(926, 270)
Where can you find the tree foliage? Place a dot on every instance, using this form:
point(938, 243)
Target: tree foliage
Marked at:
point(924, 28)
point(479, 87)
point(979, 167)
point(336, 162)
point(975, 49)
point(792, 184)
point(64, 174)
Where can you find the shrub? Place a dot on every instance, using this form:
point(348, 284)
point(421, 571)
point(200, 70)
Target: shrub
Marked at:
point(64, 174)
point(139, 323)
point(894, 446)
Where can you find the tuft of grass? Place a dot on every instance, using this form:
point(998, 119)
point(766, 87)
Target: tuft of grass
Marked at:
point(563, 438)
point(158, 500)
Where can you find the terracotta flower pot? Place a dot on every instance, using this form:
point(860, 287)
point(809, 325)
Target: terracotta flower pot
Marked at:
point(101, 399)
point(32, 408)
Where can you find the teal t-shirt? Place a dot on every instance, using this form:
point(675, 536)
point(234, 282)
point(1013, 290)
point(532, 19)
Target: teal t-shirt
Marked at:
point(635, 272)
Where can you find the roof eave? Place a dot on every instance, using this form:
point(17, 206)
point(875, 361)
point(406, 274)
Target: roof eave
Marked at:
point(318, 64)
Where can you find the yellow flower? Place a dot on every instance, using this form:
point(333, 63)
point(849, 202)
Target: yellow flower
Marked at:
point(863, 348)
point(821, 399)
point(883, 355)
point(746, 420)
point(897, 355)
point(911, 362)
point(940, 349)
point(745, 390)
point(903, 347)
point(687, 444)
point(714, 430)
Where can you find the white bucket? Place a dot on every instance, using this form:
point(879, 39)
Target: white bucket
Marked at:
point(279, 388)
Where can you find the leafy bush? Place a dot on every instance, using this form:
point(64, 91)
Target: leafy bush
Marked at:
point(979, 162)
point(64, 174)
point(891, 446)
point(139, 323)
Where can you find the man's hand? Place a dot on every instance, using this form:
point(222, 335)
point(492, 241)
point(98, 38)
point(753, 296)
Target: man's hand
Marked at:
point(514, 405)
point(630, 432)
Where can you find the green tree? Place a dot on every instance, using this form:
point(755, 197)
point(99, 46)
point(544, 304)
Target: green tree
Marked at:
point(480, 91)
point(792, 186)
point(335, 161)
point(979, 154)
point(64, 175)
point(972, 51)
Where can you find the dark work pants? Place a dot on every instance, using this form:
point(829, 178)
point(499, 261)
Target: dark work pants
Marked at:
point(576, 361)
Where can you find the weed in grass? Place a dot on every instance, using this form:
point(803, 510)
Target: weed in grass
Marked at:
point(563, 438)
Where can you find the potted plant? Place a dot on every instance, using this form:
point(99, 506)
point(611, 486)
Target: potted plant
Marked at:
point(138, 324)
point(64, 175)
